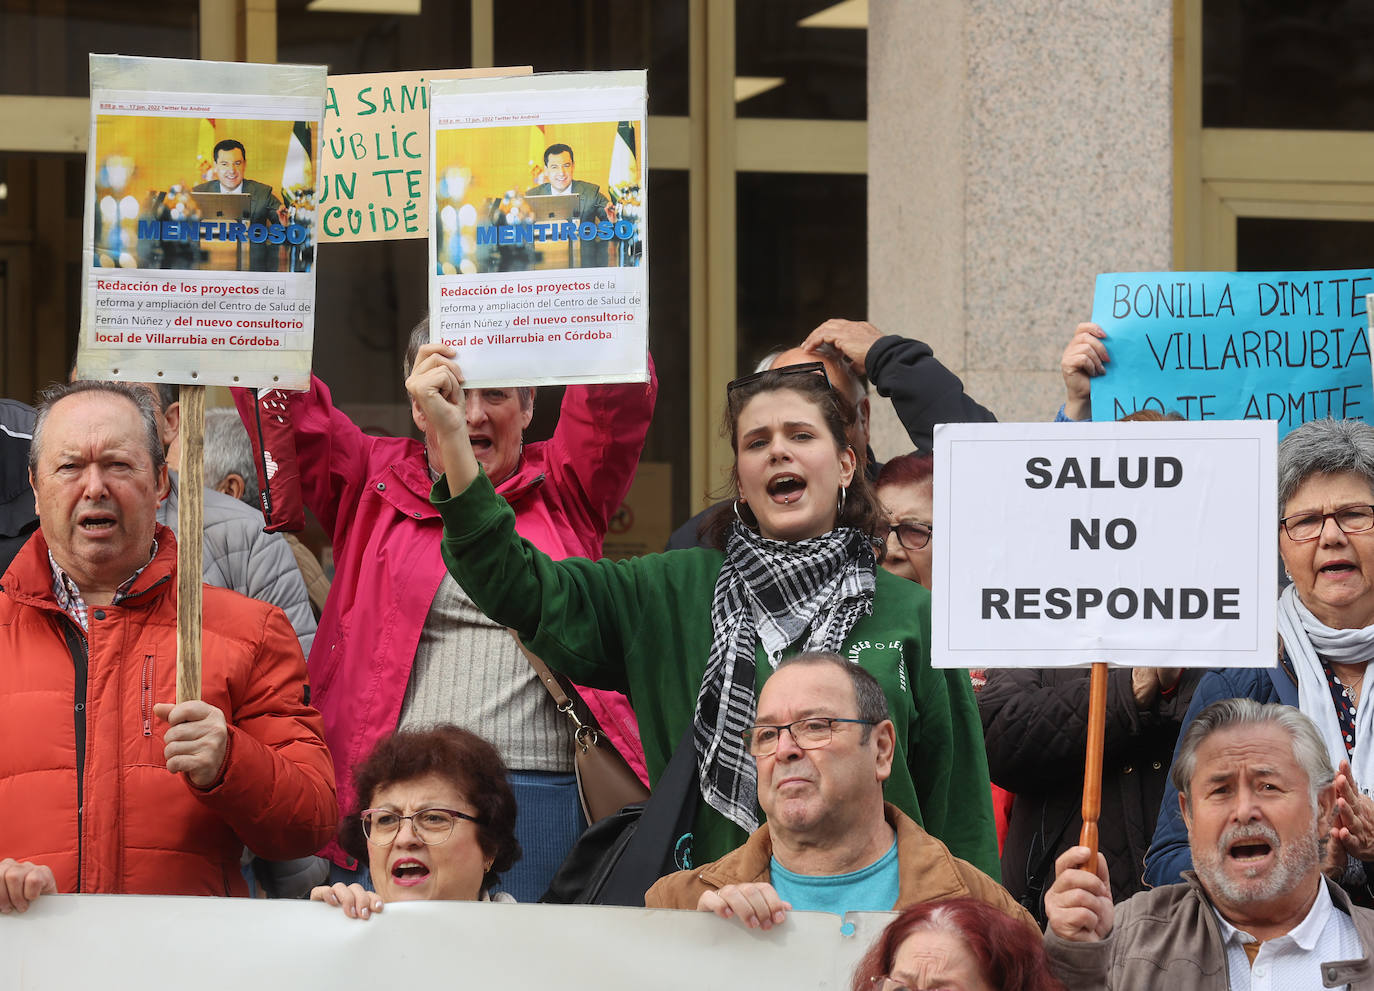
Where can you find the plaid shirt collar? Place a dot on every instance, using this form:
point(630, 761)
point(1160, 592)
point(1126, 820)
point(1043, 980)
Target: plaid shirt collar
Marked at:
point(69, 596)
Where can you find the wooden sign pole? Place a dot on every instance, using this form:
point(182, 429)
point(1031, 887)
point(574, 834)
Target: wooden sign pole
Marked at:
point(190, 546)
point(1092, 763)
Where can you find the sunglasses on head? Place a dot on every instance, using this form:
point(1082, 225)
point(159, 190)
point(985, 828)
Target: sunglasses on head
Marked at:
point(805, 368)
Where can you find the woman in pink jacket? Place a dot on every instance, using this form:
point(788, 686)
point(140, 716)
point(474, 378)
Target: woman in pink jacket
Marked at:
point(400, 646)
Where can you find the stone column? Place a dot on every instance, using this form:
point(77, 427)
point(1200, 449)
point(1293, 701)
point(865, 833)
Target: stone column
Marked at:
point(1016, 148)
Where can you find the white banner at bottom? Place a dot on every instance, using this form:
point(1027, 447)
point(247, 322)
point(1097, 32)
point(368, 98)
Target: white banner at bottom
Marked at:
point(117, 942)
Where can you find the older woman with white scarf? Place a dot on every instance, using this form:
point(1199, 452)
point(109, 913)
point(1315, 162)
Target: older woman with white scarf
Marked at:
point(1326, 634)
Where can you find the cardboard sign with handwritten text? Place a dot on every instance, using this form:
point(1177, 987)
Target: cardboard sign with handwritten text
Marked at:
point(374, 153)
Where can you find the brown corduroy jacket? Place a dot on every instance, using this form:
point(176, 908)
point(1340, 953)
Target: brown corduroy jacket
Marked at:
point(929, 872)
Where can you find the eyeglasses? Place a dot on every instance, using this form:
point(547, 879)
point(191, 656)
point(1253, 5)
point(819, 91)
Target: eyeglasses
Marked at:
point(804, 368)
point(430, 826)
point(810, 733)
point(885, 983)
point(1309, 526)
point(912, 536)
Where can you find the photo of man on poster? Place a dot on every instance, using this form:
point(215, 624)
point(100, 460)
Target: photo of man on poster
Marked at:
point(592, 204)
point(518, 198)
point(230, 164)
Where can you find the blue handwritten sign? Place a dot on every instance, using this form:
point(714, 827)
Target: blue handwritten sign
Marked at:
point(1285, 346)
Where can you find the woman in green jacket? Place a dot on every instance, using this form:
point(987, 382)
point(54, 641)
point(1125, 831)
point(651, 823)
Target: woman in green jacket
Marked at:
point(690, 635)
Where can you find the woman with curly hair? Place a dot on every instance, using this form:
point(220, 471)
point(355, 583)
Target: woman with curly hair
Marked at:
point(437, 822)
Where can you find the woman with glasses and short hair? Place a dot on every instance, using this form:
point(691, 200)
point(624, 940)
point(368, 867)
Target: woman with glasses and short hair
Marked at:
point(437, 822)
point(960, 944)
point(693, 633)
point(1326, 640)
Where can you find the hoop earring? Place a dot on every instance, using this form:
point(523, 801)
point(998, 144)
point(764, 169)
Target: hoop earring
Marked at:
point(739, 516)
point(839, 505)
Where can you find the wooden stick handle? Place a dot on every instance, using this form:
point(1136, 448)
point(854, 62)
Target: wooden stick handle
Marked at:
point(190, 547)
point(1092, 762)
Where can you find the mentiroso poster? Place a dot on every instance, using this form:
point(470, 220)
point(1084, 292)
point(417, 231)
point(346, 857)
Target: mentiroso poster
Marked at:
point(1062, 544)
point(538, 273)
point(199, 246)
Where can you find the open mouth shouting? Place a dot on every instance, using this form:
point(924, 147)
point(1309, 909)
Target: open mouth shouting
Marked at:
point(481, 445)
point(1338, 568)
point(1250, 848)
point(409, 872)
point(96, 522)
point(786, 488)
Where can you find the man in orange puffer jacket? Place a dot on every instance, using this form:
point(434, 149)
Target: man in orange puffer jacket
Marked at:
point(88, 728)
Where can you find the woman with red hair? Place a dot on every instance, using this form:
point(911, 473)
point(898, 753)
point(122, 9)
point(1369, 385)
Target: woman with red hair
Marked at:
point(955, 945)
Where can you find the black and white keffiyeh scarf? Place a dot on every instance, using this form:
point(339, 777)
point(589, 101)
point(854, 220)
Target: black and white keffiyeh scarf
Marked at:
point(771, 591)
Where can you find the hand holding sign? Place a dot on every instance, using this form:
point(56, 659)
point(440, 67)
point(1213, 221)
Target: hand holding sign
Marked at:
point(1084, 359)
point(1079, 903)
point(21, 883)
point(756, 905)
point(354, 900)
point(197, 740)
point(1146, 544)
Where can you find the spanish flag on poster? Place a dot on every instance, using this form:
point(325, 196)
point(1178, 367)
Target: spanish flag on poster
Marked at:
point(298, 173)
point(537, 147)
point(624, 172)
point(205, 151)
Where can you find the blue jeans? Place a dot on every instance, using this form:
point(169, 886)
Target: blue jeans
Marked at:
point(548, 821)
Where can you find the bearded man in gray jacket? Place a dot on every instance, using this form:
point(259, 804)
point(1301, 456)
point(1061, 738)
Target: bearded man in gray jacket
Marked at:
point(1260, 800)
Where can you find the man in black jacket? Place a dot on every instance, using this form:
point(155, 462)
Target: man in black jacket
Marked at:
point(1035, 722)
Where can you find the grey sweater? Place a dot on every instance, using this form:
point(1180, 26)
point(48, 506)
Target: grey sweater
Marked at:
point(239, 556)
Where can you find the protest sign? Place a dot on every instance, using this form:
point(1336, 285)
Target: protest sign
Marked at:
point(1135, 544)
point(463, 944)
point(538, 277)
point(1285, 346)
point(374, 154)
point(199, 226)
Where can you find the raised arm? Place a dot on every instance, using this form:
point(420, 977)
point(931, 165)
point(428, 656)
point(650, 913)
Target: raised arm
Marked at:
point(1083, 360)
point(923, 391)
point(333, 456)
point(577, 615)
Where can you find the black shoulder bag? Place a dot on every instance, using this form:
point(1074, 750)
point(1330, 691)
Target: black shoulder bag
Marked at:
point(620, 857)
